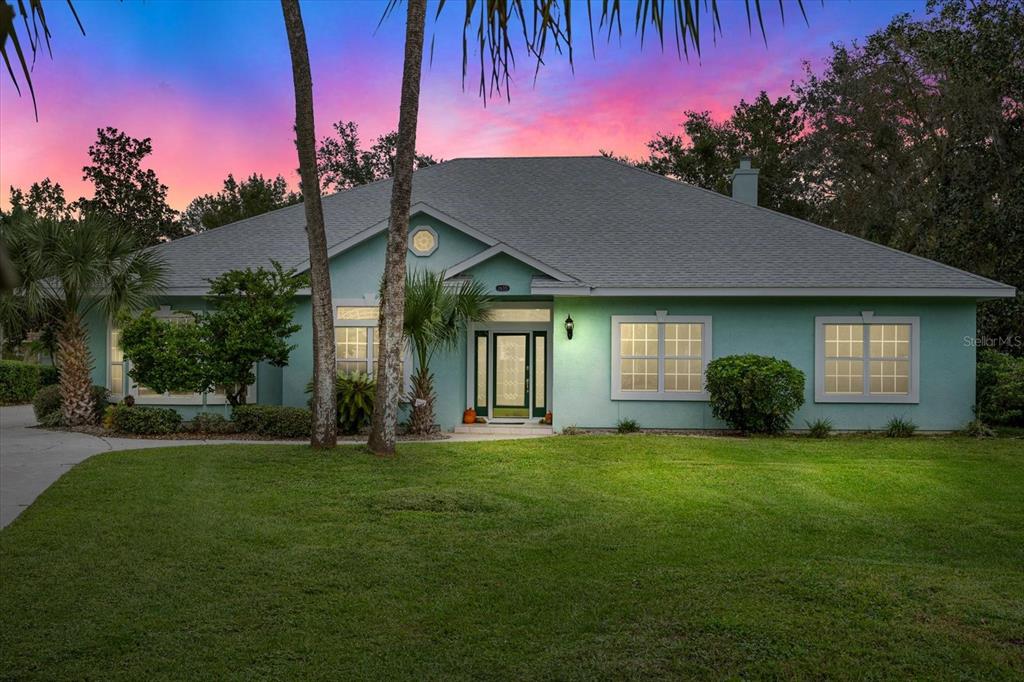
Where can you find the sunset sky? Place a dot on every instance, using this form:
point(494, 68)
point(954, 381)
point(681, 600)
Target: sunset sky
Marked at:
point(210, 83)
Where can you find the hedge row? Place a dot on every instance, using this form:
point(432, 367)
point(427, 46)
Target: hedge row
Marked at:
point(20, 381)
point(274, 420)
point(144, 421)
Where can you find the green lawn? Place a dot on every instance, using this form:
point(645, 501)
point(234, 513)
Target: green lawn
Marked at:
point(568, 557)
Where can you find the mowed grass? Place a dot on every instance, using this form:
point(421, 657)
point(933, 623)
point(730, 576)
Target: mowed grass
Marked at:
point(563, 558)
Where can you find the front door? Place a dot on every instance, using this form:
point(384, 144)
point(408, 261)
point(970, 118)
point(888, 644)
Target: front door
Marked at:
point(511, 363)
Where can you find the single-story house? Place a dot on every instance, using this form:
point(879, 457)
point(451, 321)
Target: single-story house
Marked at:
point(614, 288)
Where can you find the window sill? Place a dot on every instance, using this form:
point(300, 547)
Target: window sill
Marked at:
point(652, 396)
point(868, 399)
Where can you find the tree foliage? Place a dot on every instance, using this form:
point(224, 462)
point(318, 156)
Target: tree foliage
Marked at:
point(768, 132)
point(123, 190)
point(237, 201)
point(66, 269)
point(249, 322)
point(435, 318)
point(44, 199)
point(165, 355)
point(916, 139)
point(343, 163)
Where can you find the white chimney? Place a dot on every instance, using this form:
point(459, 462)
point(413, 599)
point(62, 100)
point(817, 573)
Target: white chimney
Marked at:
point(744, 183)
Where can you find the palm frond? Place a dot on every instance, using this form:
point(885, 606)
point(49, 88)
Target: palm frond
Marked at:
point(9, 31)
point(494, 24)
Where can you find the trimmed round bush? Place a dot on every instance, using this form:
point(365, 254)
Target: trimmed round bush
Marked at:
point(20, 381)
point(754, 393)
point(145, 421)
point(46, 404)
point(276, 421)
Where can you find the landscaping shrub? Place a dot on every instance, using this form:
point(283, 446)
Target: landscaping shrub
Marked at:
point(355, 392)
point(46, 404)
point(627, 426)
point(211, 422)
point(20, 381)
point(276, 421)
point(1000, 388)
point(819, 428)
point(900, 427)
point(977, 429)
point(572, 430)
point(145, 421)
point(754, 393)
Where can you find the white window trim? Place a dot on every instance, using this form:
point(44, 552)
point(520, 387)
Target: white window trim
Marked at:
point(865, 318)
point(165, 313)
point(662, 317)
point(369, 302)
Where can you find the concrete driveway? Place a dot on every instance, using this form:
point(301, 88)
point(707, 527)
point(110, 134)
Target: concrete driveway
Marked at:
point(31, 458)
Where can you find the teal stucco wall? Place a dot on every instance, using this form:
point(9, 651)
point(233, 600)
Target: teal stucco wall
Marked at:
point(783, 328)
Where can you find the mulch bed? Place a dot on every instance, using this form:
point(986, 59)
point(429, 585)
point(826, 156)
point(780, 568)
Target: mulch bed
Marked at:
point(101, 432)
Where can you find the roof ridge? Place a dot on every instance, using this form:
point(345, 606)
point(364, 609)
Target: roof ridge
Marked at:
point(806, 222)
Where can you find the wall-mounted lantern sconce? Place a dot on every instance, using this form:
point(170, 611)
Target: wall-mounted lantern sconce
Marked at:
point(568, 327)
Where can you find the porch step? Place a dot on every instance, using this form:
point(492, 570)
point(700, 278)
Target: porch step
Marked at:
point(529, 429)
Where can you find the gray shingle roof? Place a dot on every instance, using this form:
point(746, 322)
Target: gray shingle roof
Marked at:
point(604, 223)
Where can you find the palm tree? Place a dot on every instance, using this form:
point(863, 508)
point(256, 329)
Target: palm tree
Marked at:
point(436, 315)
point(324, 433)
point(498, 22)
point(67, 269)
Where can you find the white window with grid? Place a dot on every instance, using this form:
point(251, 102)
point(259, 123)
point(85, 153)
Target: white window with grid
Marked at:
point(659, 357)
point(866, 359)
point(356, 341)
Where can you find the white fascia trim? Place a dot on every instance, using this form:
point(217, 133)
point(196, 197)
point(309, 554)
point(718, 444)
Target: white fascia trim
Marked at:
point(496, 249)
point(977, 293)
point(382, 225)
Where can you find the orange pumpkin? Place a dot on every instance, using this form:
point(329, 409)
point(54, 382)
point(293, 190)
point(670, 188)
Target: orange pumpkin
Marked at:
point(469, 416)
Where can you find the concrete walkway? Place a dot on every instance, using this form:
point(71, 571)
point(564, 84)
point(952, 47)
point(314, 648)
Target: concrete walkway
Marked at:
point(31, 459)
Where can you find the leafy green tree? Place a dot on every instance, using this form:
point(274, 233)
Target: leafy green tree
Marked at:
point(343, 163)
point(237, 201)
point(251, 319)
point(436, 315)
point(131, 195)
point(165, 355)
point(707, 152)
point(44, 199)
point(249, 322)
point(66, 270)
point(916, 138)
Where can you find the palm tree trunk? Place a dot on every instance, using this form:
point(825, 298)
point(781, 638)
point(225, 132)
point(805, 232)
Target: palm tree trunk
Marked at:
point(389, 380)
point(421, 420)
point(325, 410)
point(75, 367)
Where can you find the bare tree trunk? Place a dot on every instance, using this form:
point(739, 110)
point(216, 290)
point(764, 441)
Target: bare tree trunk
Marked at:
point(392, 309)
point(75, 367)
point(325, 402)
